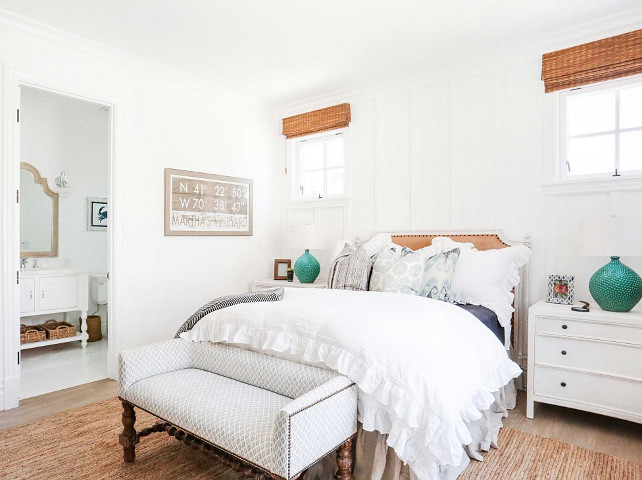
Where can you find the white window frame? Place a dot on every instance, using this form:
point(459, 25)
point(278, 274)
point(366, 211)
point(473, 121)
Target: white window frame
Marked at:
point(562, 154)
point(296, 170)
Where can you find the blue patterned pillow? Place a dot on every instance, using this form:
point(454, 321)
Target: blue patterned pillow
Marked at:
point(438, 275)
point(398, 274)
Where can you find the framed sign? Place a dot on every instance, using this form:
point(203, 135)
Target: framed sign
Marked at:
point(206, 204)
point(97, 210)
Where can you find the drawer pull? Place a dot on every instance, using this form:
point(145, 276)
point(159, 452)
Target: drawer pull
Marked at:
point(563, 352)
point(564, 327)
point(563, 384)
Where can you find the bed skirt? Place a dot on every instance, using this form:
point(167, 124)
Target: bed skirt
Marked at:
point(375, 460)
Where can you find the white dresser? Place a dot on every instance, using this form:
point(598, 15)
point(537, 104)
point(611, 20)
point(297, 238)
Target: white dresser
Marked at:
point(589, 361)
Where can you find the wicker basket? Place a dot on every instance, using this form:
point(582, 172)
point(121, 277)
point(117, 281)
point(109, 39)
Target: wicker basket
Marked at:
point(31, 334)
point(57, 330)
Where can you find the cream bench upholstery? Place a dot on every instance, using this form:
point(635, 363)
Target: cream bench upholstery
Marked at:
point(273, 416)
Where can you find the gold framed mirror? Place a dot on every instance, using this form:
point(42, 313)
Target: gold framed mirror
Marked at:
point(38, 214)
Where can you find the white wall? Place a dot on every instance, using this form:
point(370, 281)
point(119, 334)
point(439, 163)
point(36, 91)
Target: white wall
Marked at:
point(466, 150)
point(163, 119)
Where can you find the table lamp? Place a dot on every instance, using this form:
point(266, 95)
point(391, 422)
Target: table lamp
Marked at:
point(308, 237)
point(615, 287)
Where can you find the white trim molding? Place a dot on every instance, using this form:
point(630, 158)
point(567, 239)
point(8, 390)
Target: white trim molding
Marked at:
point(603, 185)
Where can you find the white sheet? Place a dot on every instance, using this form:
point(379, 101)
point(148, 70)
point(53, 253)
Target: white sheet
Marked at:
point(424, 367)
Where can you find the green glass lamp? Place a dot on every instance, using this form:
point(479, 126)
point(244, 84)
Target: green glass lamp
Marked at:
point(308, 237)
point(615, 287)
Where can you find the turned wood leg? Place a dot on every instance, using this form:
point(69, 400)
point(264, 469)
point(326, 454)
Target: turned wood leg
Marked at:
point(128, 439)
point(83, 329)
point(344, 461)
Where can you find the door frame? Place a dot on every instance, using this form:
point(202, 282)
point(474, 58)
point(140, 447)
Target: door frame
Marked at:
point(10, 234)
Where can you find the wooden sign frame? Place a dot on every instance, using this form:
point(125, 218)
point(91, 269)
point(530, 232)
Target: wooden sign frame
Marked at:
point(209, 212)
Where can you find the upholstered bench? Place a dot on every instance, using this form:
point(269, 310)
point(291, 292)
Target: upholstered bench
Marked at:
point(265, 416)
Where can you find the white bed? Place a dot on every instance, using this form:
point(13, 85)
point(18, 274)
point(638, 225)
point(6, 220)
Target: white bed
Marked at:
point(433, 381)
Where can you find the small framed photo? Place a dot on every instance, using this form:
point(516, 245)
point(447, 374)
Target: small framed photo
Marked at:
point(97, 219)
point(281, 266)
point(560, 289)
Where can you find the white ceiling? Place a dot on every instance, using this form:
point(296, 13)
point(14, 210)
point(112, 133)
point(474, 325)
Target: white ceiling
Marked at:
point(284, 51)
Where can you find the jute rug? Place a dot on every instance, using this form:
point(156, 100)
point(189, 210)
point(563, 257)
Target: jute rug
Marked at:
point(83, 443)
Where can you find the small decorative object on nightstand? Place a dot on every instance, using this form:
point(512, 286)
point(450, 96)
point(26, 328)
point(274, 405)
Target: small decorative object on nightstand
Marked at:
point(290, 273)
point(615, 287)
point(306, 268)
point(590, 361)
point(560, 289)
point(281, 267)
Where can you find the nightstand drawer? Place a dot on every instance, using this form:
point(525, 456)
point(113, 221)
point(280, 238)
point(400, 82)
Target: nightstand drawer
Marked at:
point(622, 333)
point(596, 390)
point(614, 359)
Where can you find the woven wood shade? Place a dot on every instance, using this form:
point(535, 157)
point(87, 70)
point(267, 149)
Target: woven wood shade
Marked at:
point(317, 121)
point(606, 59)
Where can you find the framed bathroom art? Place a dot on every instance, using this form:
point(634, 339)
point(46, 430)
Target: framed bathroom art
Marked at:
point(560, 289)
point(97, 214)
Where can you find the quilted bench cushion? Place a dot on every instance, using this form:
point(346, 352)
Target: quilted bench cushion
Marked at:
point(233, 415)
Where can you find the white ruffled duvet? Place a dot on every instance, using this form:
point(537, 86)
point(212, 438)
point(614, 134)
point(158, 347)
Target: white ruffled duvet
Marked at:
point(423, 367)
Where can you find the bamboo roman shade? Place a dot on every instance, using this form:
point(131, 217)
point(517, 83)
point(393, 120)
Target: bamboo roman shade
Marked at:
point(317, 121)
point(606, 59)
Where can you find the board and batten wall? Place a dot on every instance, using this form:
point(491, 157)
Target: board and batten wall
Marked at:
point(163, 119)
point(468, 151)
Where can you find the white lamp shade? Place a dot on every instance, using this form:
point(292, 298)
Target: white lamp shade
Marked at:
point(306, 236)
point(611, 236)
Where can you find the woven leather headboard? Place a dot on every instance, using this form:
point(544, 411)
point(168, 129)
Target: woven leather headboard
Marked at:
point(482, 241)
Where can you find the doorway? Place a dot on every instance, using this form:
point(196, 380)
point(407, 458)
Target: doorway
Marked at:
point(65, 146)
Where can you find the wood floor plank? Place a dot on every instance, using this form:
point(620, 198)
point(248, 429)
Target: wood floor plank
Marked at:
point(34, 408)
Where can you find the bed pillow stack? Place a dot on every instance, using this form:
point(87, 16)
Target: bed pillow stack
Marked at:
point(486, 277)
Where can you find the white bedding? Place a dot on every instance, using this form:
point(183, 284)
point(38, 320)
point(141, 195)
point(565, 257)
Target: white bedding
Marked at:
point(424, 367)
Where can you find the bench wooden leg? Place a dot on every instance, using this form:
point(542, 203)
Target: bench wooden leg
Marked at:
point(344, 461)
point(128, 438)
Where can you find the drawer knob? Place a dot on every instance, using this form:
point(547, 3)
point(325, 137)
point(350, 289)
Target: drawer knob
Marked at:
point(563, 352)
point(564, 327)
point(563, 384)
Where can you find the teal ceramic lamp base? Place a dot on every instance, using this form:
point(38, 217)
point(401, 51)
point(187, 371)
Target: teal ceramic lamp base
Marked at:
point(615, 287)
point(307, 268)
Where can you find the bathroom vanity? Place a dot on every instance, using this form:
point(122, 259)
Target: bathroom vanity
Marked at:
point(47, 291)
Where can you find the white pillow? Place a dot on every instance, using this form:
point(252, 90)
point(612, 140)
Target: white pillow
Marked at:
point(445, 244)
point(376, 243)
point(487, 277)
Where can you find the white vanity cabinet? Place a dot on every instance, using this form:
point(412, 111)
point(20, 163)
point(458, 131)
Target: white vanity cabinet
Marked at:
point(27, 295)
point(44, 292)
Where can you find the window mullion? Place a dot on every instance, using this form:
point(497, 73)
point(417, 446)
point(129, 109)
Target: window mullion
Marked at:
point(325, 169)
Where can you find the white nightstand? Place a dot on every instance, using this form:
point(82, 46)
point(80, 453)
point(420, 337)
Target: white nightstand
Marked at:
point(268, 283)
point(589, 361)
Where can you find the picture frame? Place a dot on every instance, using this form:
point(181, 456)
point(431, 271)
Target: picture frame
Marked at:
point(281, 266)
point(199, 203)
point(561, 289)
point(97, 214)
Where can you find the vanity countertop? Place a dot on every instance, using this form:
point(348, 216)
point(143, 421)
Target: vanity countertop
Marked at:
point(33, 272)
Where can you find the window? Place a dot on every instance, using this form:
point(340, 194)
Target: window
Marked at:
point(601, 130)
point(319, 167)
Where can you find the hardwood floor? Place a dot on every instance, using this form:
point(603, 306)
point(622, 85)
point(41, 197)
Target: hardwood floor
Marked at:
point(34, 408)
point(595, 432)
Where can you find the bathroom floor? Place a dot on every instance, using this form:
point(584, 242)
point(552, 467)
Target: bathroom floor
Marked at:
point(52, 368)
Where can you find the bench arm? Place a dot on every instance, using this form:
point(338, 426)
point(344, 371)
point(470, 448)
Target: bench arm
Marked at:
point(149, 360)
point(315, 424)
